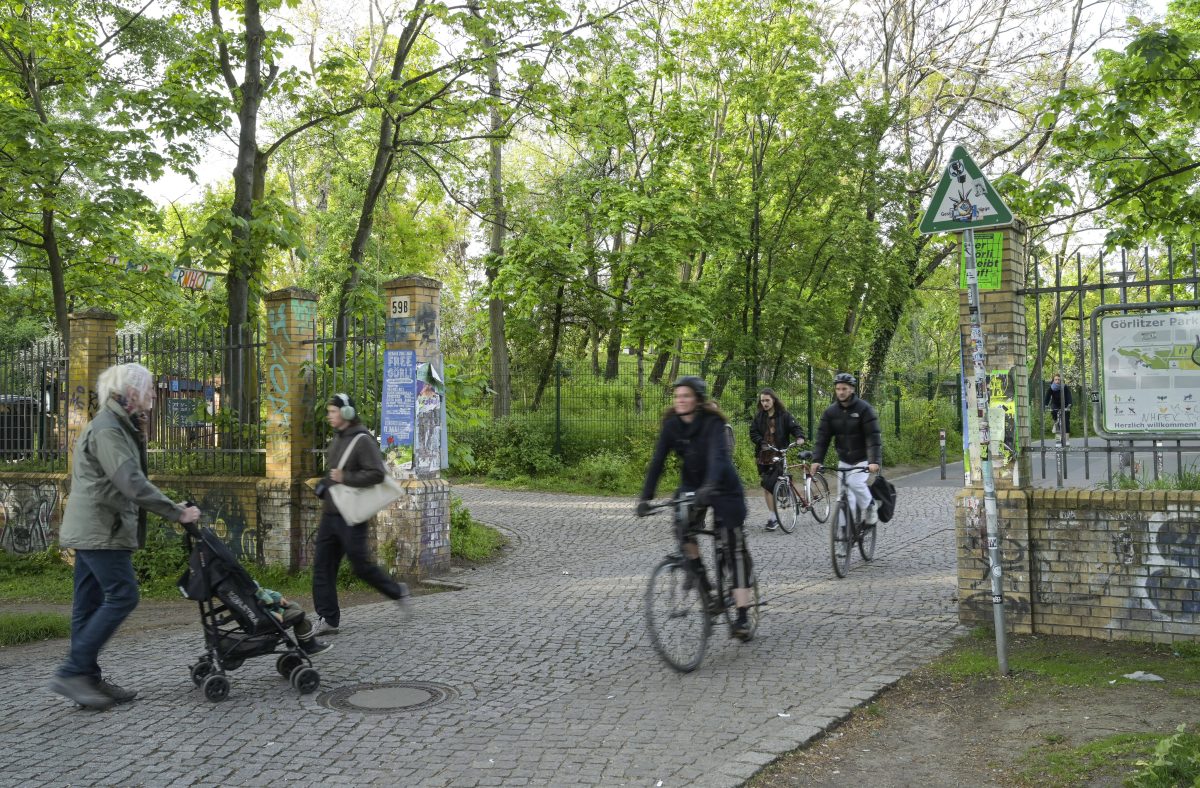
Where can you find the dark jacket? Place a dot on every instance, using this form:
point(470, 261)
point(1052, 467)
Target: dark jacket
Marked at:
point(855, 428)
point(109, 488)
point(786, 428)
point(363, 468)
point(1055, 400)
point(703, 448)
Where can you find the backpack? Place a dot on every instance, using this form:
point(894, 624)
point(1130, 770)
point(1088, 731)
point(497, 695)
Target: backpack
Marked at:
point(884, 493)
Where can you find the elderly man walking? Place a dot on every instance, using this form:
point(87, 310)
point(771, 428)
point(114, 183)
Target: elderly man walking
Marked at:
point(105, 515)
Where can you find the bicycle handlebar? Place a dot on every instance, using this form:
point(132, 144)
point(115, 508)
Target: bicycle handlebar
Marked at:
point(670, 503)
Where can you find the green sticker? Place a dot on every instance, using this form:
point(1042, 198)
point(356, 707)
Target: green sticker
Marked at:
point(989, 261)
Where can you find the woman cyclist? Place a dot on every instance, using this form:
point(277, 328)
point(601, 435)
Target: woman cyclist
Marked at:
point(694, 428)
point(772, 429)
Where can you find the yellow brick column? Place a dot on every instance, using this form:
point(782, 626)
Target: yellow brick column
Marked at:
point(414, 532)
point(91, 351)
point(287, 391)
point(1002, 314)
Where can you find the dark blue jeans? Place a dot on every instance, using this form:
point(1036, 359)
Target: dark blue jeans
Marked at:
point(106, 592)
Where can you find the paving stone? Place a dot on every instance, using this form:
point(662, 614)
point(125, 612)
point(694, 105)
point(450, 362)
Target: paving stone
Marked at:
point(547, 649)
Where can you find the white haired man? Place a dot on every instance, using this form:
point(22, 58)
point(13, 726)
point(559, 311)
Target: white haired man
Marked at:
point(105, 513)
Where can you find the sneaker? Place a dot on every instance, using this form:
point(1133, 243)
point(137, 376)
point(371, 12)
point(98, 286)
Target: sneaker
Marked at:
point(323, 627)
point(741, 631)
point(118, 694)
point(712, 605)
point(771, 525)
point(312, 647)
point(81, 690)
point(872, 516)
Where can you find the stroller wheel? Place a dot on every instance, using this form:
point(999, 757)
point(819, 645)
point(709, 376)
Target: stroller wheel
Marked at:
point(287, 663)
point(200, 671)
point(306, 680)
point(216, 687)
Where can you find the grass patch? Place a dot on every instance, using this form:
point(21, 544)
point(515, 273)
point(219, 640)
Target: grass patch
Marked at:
point(1053, 764)
point(36, 577)
point(17, 628)
point(469, 539)
point(1070, 661)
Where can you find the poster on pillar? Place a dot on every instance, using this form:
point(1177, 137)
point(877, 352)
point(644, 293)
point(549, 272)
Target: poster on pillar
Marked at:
point(429, 445)
point(1002, 427)
point(398, 408)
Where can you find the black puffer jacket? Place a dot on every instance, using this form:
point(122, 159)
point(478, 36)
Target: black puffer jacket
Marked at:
point(855, 428)
point(785, 428)
point(704, 450)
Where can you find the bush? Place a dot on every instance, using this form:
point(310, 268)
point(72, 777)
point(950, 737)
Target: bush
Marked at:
point(160, 563)
point(605, 470)
point(469, 539)
point(1176, 762)
point(511, 447)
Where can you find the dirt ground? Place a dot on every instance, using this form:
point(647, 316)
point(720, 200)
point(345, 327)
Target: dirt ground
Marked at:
point(933, 730)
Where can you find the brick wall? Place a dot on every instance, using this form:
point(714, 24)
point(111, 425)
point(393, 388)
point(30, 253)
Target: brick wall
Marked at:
point(1101, 564)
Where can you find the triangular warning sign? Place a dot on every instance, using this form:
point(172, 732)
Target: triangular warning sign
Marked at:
point(964, 199)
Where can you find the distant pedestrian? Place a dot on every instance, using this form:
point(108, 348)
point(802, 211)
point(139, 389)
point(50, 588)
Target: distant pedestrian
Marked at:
point(771, 429)
point(335, 537)
point(1058, 402)
point(105, 521)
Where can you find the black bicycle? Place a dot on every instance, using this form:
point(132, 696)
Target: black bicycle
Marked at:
point(679, 613)
point(845, 531)
point(790, 503)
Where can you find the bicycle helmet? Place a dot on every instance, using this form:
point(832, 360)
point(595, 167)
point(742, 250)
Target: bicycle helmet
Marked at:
point(695, 384)
point(845, 377)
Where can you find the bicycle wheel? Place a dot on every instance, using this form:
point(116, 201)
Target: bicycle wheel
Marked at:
point(675, 617)
point(839, 539)
point(755, 611)
point(866, 542)
point(818, 498)
point(787, 507)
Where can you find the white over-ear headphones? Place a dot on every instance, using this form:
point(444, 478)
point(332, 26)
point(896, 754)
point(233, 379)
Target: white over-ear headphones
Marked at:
point(346, 406)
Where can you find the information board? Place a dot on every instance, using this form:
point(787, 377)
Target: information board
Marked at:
point(399, 398)
point(1151, 381)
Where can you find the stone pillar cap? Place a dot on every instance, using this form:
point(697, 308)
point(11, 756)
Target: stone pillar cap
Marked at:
point(291, 292)
point(413, 280)
point(93, 313)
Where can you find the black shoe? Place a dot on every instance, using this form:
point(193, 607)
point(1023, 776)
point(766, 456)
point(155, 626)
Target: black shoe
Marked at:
point(771, 525)
point(82, 690)
point(712, 605)
point(313, 647)
point(118, 694)
point(741, 631)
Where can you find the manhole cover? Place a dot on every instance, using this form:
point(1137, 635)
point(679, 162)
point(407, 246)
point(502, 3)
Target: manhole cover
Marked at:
point(390, 698)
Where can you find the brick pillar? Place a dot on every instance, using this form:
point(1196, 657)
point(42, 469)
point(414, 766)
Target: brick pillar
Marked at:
point(416, 528)
point(91, 351)
point(1002, 314)
point(290, 323)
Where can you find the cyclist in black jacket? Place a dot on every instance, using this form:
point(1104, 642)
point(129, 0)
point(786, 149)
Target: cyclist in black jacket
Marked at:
point(772, 428)
point(854, 425)
point(694, 428)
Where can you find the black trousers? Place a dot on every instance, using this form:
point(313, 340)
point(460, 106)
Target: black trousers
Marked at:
point(336, 539)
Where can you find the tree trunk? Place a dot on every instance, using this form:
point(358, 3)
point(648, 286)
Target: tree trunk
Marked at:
point(638, 398)
point(497, 333)
point(660, 366)
point(552, 356)
point(57, 277)
point(722, 375)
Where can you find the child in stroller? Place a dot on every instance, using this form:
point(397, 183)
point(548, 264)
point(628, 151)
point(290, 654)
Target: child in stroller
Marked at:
point(243, 620)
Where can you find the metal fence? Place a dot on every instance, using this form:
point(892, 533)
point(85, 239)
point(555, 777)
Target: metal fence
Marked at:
point(195, 426)
point(351, 366)
point(585, 411)
point(33, 406)
point(1060, 298)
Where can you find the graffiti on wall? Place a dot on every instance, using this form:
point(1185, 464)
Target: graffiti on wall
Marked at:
point(223, 512)
point(29, 512)
point(978, 560)
point(1149, 562)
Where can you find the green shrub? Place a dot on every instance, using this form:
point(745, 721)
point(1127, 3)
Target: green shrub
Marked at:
point(469, 539)
point(17, 628)
point(605, 470)
point(43, 576)
point(1176, 762)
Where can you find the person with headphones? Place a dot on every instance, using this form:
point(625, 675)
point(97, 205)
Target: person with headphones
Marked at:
point(694, 428)
point(854, 426)
point(336, 538)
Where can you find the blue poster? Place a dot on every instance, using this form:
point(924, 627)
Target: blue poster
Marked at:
point(399, 399)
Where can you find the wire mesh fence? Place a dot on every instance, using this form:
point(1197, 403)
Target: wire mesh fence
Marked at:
point(33, 406)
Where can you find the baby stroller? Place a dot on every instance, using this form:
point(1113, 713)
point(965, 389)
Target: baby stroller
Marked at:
point(236, 625)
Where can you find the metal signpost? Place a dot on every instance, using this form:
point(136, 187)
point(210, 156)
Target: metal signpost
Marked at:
point(965, 202)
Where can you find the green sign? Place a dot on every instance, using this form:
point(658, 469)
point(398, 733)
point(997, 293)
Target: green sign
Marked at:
point(989, 261)
point(964, 200)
